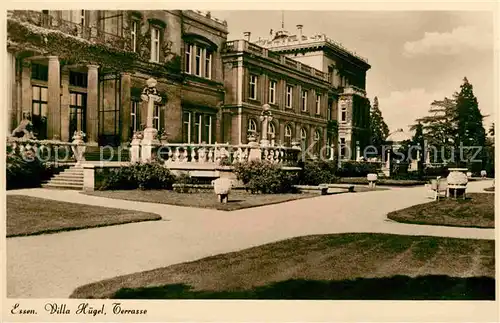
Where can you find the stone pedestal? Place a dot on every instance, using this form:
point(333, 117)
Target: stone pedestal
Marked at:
point(150, 140)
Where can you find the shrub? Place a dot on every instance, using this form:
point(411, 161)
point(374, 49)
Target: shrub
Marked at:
point(26, 172)
point(151, 175)
point(265, 177)
point(318, 172)
point(436, 171)
point(183, 183)
point(357, 169)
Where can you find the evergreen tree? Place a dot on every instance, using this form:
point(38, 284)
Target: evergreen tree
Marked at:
point(378, 128)
point(491, 131)
point(469, 120)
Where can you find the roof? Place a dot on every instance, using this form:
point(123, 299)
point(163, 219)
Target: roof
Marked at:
point(399, 136)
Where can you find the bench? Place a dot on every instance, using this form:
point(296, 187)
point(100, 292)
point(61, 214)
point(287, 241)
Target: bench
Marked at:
point(324, 187)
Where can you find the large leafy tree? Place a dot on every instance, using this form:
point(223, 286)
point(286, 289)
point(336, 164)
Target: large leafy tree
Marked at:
point(378, 128)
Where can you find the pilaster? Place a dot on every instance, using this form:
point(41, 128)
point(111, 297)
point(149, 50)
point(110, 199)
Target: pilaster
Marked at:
point(54, 99)
point(65, 101)
point(125, 107)
point(92, 117)
point(26, 90)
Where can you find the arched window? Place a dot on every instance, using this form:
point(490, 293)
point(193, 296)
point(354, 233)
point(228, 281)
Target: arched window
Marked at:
point(303, 134)
point(317, 135)
point(288, 135)
point(252, 125)
point(271, 130)
point(317, 142)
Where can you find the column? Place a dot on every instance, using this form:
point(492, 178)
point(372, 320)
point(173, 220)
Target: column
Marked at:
point(65, 101)
point(54, 99)
point(92, 117)
point(11, 86)
point(125, 108)
point(26, 90)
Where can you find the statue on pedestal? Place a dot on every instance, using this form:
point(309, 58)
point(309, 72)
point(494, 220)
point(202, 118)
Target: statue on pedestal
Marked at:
point(266, 116)
point(25, 128)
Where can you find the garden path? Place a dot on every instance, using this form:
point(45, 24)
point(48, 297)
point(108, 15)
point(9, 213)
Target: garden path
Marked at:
point(53, 265)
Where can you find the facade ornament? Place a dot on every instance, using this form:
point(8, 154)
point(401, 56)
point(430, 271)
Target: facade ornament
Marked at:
point(25, 128)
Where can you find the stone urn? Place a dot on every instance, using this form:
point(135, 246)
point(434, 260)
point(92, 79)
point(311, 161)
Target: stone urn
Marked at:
point(469, 174)
point(222, 188)
point(457, 180)
point(78, 147)
point(372, 179)
point(483, 174)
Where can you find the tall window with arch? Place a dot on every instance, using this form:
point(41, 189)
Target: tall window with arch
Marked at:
point(252, 126)
point(303, 136)
point(288, 135)
point(317, 142)
point(271, 132)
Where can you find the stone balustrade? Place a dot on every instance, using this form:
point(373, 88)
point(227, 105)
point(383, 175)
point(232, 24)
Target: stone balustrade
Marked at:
point(218, 154)
point(53, 151)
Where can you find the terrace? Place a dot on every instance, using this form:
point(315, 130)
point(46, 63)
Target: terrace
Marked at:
point(90, 33)
point(245, 46)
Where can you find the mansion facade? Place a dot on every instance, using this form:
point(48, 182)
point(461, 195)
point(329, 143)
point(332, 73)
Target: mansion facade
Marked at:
point(84, 70)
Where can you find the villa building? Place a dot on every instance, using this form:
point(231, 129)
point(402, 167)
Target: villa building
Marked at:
point(84, 70)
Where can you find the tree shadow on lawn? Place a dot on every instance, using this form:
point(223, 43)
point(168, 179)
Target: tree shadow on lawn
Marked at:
point(430, 287)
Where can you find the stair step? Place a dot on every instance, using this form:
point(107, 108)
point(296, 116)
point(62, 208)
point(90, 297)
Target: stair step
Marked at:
point(64, 183)
point(63, 187)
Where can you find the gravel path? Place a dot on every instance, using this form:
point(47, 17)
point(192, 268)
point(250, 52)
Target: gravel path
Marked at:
point(53, 265)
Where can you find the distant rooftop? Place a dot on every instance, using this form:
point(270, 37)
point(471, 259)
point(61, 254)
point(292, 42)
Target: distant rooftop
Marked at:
point(283, 40)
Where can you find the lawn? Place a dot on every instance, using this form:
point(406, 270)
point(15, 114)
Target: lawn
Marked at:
point(337, 266)
point(478, 211)
point(238, 199)
point(28, 215)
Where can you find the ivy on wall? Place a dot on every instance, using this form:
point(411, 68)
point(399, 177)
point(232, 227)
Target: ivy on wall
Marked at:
point(72, 49)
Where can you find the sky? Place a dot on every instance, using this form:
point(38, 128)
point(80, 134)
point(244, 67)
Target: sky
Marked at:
point(416, 56)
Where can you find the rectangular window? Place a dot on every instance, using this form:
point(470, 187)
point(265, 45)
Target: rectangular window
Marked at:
point(342, 148)
point(188, 58)
point(253, 87)
point(78, 79)
point(39, 111)
point(318, 104)
point(156, 117)
point(39, 72)
point(343, 114)
point(133, 35)
point(289, 96)
point(272, 92)
point(304, 100)
point(77, 111)
point(134, 116)
point(197, 62)
point(155, 45)
point(208, 65)
point(207, 131)
point(197, 131)
point(186, 127)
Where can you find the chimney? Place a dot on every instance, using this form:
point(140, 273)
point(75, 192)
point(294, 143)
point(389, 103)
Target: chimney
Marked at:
point(247, 34)
point(299, 28)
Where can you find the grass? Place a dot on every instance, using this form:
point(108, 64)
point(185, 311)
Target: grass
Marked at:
point(28, 215)
point(336, 266)
point(478, 211)
point(238, 199)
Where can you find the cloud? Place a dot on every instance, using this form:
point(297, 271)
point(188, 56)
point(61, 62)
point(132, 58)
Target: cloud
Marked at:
point(450, 43)
point(401, 108)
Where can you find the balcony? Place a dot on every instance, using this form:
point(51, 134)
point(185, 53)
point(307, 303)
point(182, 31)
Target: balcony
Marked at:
point(351, 89)
point(92, 34)
point(245, 46)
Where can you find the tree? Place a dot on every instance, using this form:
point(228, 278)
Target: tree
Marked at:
point(470, 129)
point(491, 131)
point(378, 128)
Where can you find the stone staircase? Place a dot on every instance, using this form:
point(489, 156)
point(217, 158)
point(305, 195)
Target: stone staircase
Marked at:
point(70, 178)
